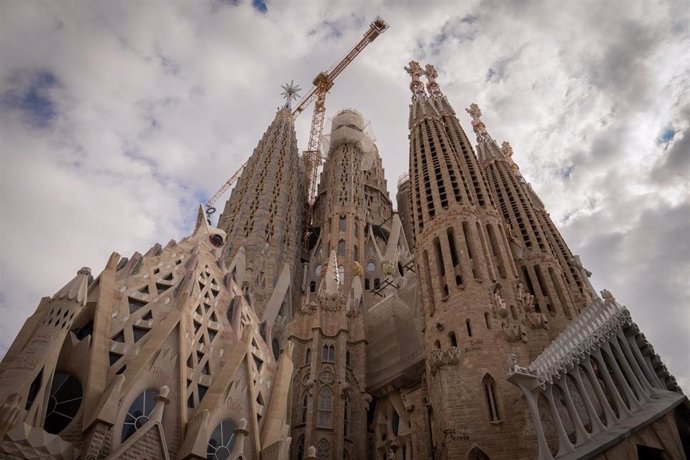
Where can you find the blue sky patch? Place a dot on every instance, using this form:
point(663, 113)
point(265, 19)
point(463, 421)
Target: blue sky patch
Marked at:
point(667, 135)
point(260, 6)
point(33, 99)
point(566, 172)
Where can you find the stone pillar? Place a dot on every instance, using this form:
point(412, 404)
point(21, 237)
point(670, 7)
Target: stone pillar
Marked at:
point(597, 426)
point(564, 445)
point(580, 432)
point(635, 378)
point(611, 418)
point(634, 404)
point(611, 386)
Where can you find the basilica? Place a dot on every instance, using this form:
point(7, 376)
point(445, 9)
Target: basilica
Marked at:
point(458, 326)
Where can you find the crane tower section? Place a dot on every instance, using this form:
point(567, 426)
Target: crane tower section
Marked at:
point(323, 82)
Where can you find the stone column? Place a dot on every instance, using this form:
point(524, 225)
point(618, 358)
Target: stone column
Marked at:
point(611, 418)
point(564, 445)
point(611, 386)
point(580, 431)
point(634, 403)
point(635, 378)
point(649, 373)
point(597, 426)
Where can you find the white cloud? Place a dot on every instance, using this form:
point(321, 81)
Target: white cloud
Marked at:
point(158, 103)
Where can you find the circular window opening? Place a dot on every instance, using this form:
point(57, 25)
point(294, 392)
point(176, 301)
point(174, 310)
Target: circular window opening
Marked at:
point(371, 266)
point(216, 240)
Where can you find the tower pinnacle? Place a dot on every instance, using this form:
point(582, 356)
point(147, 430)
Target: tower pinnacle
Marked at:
point(416, 86)
point(477, 124)
point(432, 86)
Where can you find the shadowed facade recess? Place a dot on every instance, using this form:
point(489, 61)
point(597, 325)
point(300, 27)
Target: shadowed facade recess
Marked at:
point(460, 326)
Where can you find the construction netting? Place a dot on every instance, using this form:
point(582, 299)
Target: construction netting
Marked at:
point(349, 127)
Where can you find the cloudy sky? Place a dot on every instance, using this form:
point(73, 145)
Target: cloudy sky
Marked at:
point(118, 118)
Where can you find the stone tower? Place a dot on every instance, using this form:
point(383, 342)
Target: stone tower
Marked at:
point(545, 263)
point(475, 308)
point(329, 400)
point(263, 220)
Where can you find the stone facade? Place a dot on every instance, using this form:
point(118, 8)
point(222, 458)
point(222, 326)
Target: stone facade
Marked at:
point(344, 329)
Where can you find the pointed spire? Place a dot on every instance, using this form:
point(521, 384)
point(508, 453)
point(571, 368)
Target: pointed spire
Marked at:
point(416, 86)
point(201, 222)
point(432, 86)
point(77, 288)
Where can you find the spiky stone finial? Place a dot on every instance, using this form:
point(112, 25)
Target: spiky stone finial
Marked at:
point(432, 86)
point(415, 71)
point(477, 123)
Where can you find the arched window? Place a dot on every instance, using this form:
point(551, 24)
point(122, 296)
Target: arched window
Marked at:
point(341, 248)
point(487, 321)
point(317, 270)
point(64, 402)
point(347, 358)
point(377, 283)
point(312, 286)
point(366, 284)
point(490, 392)
point(138, 413)
point(395, 422)
point(325, 413)
point(222, 441)
point(342, 223)
point(355, 253)
point(437, 344)
point(328, 354)
point(307, 356)
point(356, 230)
point(453, 340)
point(469, 327)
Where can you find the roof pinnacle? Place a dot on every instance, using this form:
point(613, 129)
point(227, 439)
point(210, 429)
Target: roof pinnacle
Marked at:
point(416, 86)
point(432, 86)
point(477, 124)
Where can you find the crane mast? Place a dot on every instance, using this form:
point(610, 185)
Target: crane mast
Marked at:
point(323, 82)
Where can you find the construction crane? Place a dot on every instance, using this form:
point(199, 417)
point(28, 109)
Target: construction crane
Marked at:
point(322, 84)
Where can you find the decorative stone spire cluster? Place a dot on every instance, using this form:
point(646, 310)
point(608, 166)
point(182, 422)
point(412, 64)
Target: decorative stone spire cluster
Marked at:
point(416, 86)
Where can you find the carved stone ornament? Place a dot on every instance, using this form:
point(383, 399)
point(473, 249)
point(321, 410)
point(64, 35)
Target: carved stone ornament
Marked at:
point(432, 86)
point(415, 71)
point(477, 124)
